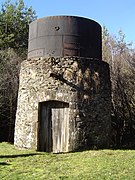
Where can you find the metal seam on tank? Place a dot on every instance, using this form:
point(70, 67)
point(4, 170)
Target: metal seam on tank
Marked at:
point(54, 35)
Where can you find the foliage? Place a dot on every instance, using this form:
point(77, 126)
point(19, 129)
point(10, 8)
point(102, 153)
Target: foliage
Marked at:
point(14, 25)
point(14, 22)
point(9, 70)
point(120, 57)
point(29, 164)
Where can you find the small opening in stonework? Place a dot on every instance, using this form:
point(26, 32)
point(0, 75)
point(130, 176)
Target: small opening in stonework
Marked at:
point(53, 75)
point(53, 130)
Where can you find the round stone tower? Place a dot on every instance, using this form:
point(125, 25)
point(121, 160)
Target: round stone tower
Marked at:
point(64, 100)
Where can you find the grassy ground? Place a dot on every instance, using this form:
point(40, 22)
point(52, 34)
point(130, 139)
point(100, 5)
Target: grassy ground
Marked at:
point(30, 165)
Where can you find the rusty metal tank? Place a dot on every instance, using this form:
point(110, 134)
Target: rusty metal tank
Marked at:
point(61, 36)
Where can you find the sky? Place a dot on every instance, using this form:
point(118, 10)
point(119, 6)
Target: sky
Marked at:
point(114, 14)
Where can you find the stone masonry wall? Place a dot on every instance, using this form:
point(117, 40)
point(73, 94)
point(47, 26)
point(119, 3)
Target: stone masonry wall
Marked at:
point(82, 82)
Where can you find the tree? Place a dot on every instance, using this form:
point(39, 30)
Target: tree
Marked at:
point(120, 57)
point(14, 25)
point(14, 22)
point(9, 71)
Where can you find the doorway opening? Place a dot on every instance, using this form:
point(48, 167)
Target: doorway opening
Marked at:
point(53, 129)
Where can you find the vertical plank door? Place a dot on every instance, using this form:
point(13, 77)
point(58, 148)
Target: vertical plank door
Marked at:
point(53, 126)
point(60, 129)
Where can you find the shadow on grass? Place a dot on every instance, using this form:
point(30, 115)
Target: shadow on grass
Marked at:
point(19, 155)
point(4, 163)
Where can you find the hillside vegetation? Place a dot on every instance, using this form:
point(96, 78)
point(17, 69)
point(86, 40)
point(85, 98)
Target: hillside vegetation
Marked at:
point(95, 164)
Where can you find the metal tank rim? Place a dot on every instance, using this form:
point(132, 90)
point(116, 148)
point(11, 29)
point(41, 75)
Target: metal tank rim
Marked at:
point(68, 16)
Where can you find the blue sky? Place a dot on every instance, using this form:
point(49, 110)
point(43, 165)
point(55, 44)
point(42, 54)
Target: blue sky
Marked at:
point(114, 14)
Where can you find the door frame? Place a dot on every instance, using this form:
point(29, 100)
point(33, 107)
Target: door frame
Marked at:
point(51, 104)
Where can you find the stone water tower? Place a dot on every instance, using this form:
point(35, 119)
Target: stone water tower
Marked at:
point(64, 100)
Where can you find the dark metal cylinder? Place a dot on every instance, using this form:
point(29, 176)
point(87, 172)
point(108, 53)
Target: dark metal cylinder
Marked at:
point(65, 36)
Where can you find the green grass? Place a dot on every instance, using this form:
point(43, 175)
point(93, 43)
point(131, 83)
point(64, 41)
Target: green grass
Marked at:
point(94, 164)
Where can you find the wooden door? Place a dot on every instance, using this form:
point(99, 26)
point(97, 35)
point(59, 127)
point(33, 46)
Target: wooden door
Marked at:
point(53, 126)
point(60, 129)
